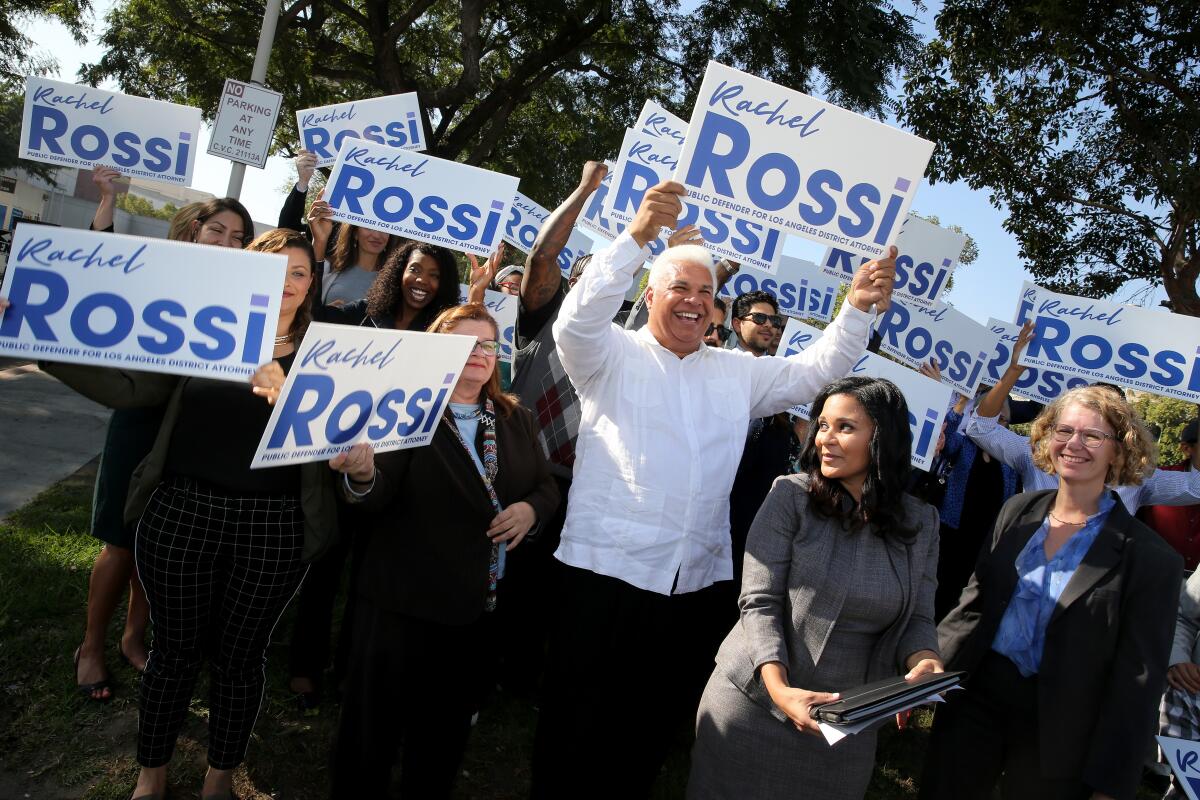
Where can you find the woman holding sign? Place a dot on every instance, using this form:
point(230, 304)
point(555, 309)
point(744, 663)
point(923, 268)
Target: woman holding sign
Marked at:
point(837, 591)
point(445, 513)
point(1065, 626)
point(353, 263)
point(220, 547)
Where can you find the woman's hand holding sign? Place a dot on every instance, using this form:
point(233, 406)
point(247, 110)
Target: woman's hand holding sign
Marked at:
point(357, 463)
point(267, 381)
point(872, 284)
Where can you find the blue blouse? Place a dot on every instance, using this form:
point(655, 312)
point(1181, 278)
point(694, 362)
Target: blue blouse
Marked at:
point(1022, 633)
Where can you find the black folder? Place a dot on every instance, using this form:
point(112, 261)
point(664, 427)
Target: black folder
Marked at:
point(884, 697)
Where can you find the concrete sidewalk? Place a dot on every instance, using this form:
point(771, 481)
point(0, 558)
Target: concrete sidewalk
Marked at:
point(48, 432)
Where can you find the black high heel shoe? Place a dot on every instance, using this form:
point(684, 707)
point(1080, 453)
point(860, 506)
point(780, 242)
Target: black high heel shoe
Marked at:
point(88, 690)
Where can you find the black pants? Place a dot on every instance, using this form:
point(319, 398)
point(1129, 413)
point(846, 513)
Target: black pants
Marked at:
point(309, 651)
point(626, 670)
point(218, 572)
point(414, 683)
point(986, 735)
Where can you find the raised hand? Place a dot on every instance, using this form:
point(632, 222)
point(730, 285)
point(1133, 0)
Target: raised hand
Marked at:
point(593, 174)
point(872, 284)
point(660, 208)
point(688, 234)
point(306, 165)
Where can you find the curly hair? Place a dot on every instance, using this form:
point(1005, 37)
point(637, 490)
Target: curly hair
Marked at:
point(1136, 453)
point(344, 253)
point(386, 293)
point(449, 319)
point(888, 465)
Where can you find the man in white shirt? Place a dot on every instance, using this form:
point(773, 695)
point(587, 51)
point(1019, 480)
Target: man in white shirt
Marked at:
point(647, 528)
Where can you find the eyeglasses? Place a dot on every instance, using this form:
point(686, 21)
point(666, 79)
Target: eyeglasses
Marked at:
point(1091, 437)
point(723, 333)
point(488, 347)
point(759, 318)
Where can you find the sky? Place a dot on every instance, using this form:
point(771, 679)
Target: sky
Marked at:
point(987, 288)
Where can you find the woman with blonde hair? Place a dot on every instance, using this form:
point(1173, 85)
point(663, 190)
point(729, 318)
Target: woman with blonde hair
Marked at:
point(1065, 626)
point(446, 512)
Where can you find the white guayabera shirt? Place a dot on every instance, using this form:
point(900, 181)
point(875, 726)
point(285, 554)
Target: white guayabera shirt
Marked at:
point(649, 501)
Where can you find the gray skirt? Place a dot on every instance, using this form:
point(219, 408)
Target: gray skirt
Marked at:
point(744, 753)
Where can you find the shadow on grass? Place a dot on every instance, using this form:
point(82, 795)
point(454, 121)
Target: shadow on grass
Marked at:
point(56, 744)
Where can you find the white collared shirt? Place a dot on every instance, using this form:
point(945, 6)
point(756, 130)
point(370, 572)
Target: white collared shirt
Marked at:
point(650, 495)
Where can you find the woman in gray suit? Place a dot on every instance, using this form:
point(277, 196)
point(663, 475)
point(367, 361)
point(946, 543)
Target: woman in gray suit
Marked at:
point(837, 590)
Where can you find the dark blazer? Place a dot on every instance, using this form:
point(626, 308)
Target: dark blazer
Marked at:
point(1104, 664)
point(798, 567)
point(427, 552)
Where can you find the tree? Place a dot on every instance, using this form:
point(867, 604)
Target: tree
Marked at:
point(1084, 121)
point(141, 207)
point(1169, 415)
point(17, 59)
point(528, 87)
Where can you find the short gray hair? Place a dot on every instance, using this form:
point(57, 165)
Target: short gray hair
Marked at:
point(674, 257)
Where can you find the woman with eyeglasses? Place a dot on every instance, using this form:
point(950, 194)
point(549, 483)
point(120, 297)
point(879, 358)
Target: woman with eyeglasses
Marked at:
point(1065, 627)
point(443, 516)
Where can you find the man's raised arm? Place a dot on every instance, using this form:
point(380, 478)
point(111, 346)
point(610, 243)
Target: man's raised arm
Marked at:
point(542, 275)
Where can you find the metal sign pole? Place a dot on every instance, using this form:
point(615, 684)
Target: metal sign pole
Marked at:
point(266, 38)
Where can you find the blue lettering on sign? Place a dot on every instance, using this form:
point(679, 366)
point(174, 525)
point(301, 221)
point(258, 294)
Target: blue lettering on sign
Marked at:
point(518, 230)
point(1053, 341)
point(723, 145)
point(800, 298)
point(51, 131)
point(395, 413)
point(325, 139)
point(215, 324)
point(1045, 383)
point(903, 333)
point(719, 229)
point(656, 125)
point(393, 204)
point(924, 280)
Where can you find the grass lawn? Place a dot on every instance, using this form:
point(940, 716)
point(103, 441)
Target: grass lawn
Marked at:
point(54, 744)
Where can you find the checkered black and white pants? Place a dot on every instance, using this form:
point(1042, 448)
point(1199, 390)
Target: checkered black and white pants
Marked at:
point(219, 570)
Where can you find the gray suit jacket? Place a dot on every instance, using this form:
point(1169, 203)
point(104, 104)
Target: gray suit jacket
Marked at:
point(798, 566)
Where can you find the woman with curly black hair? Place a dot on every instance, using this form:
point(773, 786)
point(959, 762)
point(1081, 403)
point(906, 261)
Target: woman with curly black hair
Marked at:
point(416, 283)
point(837, 590)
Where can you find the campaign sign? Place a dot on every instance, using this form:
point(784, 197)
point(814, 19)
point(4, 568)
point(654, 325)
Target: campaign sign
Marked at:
point(394, 121)
point(350, 384)
point(960, 345)
point(646, 161)
point(1184, 757)
point(798, 337)
point(525, 220)
point(800, 288)
point(503, 308)
point(927, 257)
point(1153, 351)
point(419, 197)
point(1042, 385)
point(927, 402)
point(660, 123)
point(790, 161)
point(81, 126)
point(245, 123)
point(593, 217)
point(148, 304)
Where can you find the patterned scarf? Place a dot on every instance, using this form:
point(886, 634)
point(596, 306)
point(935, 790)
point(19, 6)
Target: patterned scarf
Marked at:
point(491, 466)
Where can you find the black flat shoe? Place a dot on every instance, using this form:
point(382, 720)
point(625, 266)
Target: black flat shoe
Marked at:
point(88, 690)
